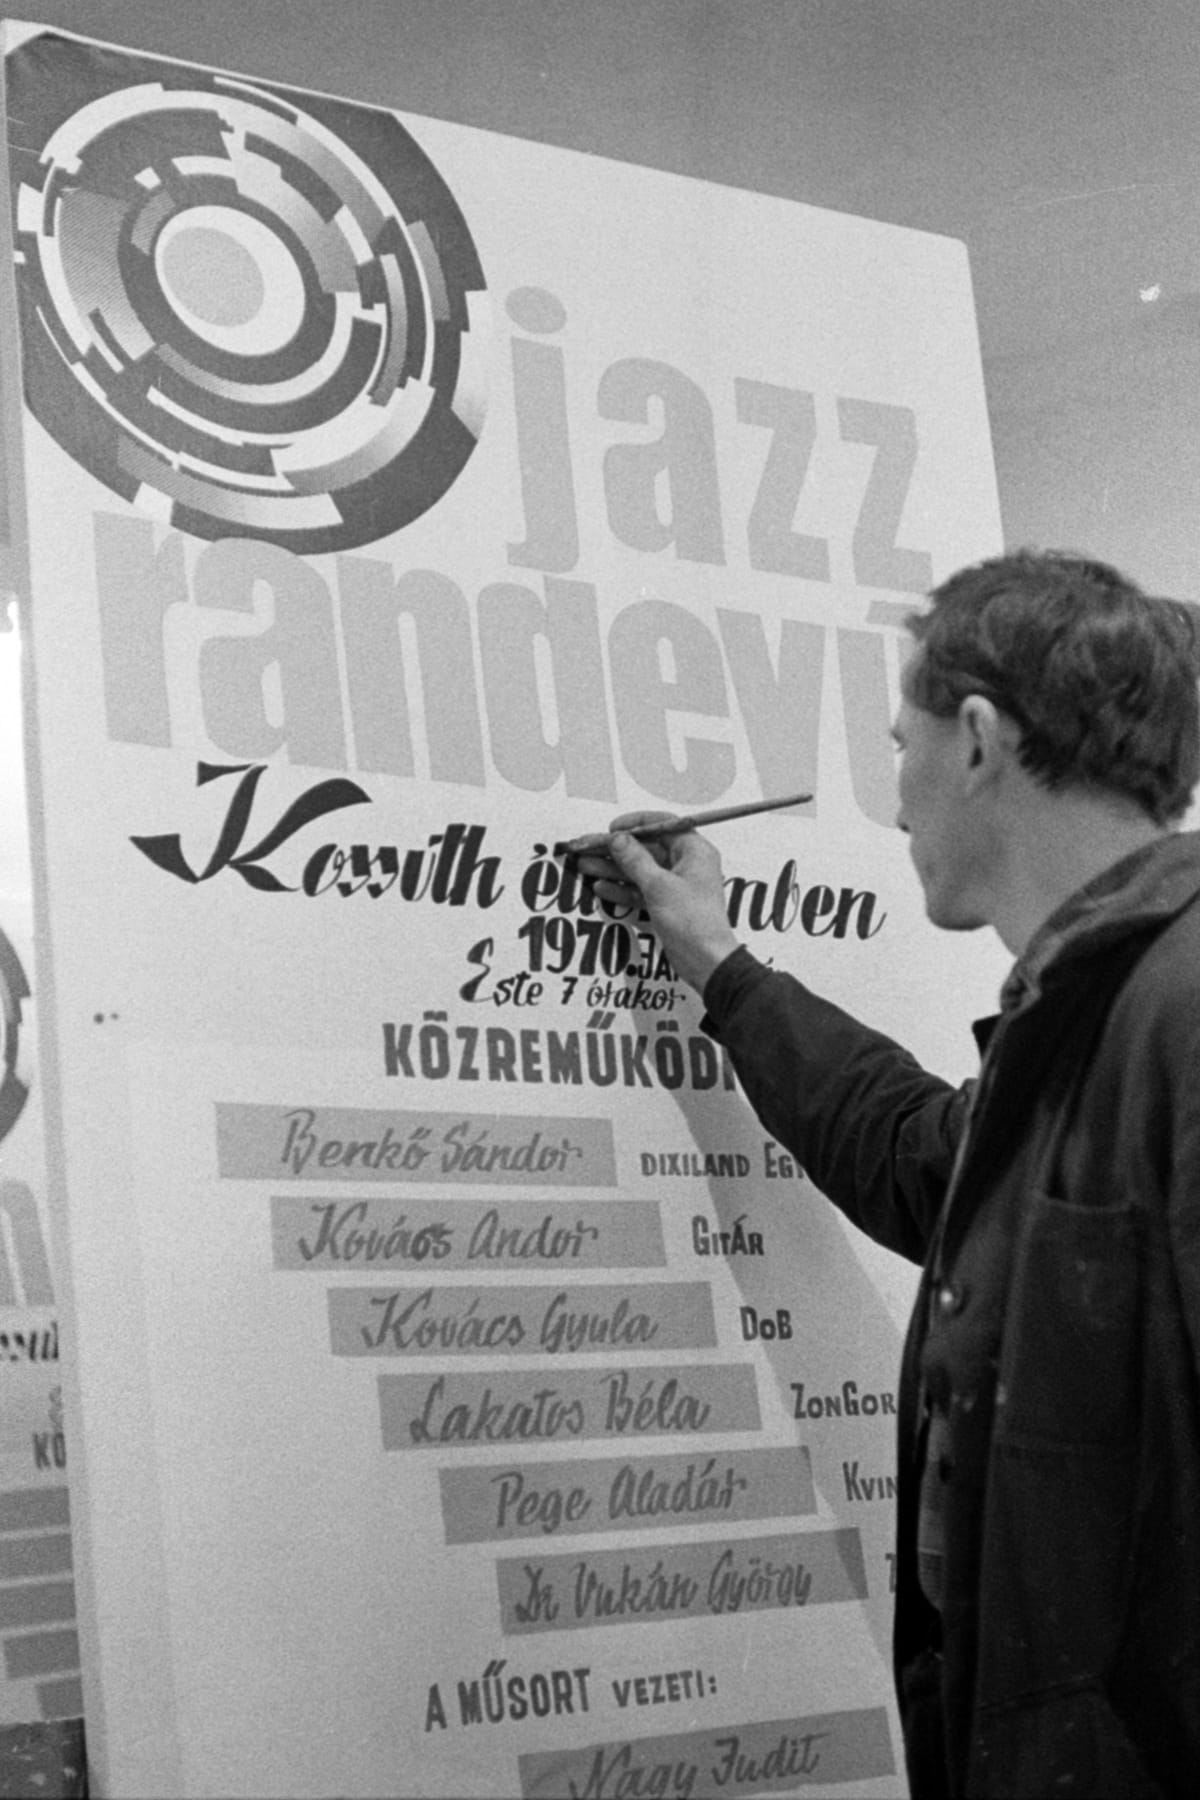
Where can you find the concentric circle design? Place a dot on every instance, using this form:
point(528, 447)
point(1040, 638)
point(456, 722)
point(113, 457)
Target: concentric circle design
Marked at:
point(247, 314)
point(14, 988)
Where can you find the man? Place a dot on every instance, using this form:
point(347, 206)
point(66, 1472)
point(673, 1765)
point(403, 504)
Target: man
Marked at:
point(1047, 1629)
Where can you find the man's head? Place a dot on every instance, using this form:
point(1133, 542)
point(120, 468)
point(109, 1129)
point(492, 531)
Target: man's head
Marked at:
point(1099, 678)
point(1037, 678)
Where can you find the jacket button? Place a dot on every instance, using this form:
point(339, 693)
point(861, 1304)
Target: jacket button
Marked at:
point(952, 1297)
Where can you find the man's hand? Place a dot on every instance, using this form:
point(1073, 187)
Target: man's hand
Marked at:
point(679, 882)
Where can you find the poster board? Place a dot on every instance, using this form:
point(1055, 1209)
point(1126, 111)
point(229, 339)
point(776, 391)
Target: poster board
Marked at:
point(41, 1696)
point(467, 1397)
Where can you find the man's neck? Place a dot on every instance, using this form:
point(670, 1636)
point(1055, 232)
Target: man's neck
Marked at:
point(1060, 846)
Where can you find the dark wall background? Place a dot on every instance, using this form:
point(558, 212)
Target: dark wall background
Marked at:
point(1059, 138)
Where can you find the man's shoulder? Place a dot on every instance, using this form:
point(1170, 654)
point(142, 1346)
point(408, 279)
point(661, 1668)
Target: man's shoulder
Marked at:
point(1161, 994)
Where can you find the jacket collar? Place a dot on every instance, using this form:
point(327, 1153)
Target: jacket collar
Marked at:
point(1140, 892)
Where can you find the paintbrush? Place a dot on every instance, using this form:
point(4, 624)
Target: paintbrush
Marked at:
point(598, 841)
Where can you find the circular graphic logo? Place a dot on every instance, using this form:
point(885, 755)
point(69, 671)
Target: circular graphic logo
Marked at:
point(14, 988)
point(249, 315)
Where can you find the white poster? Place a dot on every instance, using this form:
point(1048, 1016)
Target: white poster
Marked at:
point(41, 1699)
point(466, 1397)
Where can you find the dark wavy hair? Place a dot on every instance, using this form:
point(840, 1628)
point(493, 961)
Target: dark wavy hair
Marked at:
point(1100, 677)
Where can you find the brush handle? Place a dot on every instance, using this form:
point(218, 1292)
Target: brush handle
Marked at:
point(646, 834)
point(717, 816)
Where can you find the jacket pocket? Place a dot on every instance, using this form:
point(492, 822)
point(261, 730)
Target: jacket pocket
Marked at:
point(1067, 1744)
point(1070, 1361)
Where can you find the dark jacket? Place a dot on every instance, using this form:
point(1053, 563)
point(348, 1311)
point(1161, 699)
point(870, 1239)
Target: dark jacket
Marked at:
point(1057, 1325)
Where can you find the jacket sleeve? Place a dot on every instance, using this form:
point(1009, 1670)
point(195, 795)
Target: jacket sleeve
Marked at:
point(1184, 1198)
point(875, 1131)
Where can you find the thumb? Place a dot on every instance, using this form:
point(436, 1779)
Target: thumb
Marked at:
point(632, 858)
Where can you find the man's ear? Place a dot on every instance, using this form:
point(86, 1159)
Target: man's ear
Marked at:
point(986, 736)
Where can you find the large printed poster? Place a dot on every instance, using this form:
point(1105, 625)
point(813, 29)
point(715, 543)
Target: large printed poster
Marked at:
point(41, 1700)
point(466, 1397)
